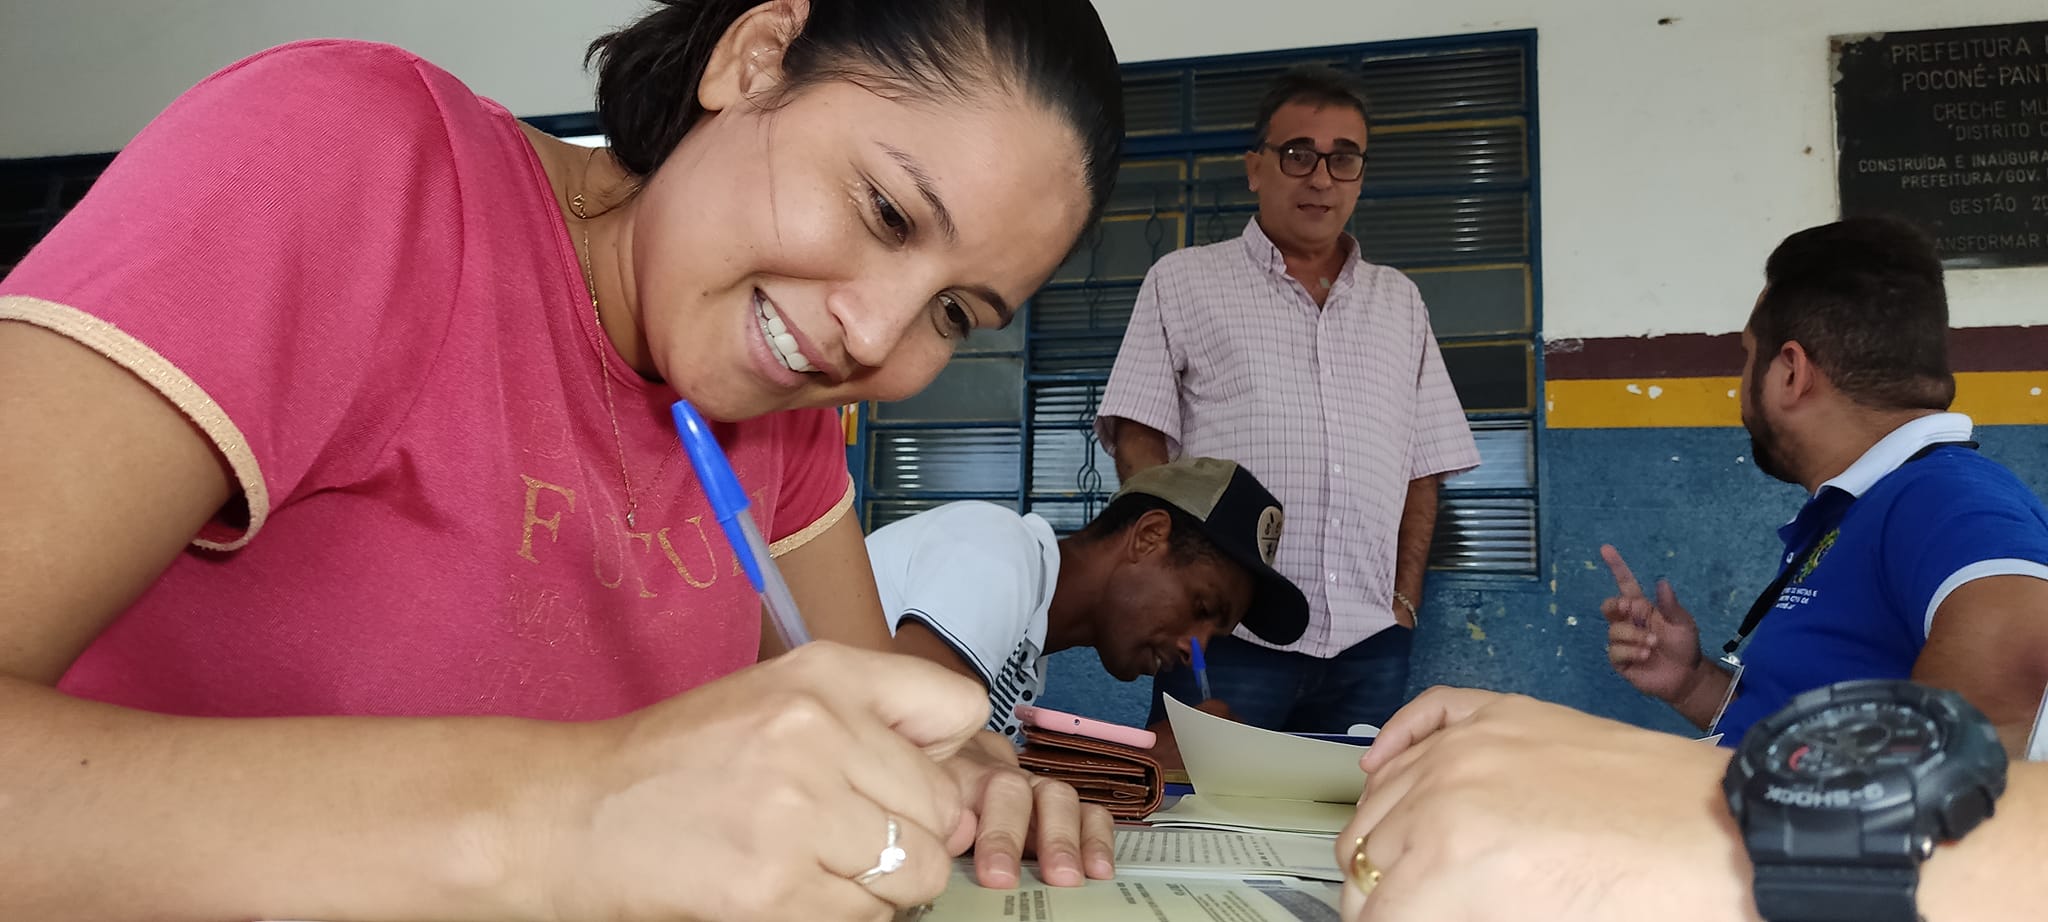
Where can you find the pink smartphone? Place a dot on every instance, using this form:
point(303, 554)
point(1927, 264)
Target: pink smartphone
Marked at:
point(1063, 722)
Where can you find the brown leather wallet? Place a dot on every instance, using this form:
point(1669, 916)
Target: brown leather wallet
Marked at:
point(1126, 781)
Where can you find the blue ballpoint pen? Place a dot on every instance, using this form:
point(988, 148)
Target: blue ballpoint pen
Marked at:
point(1200, 666)
point(729, 504)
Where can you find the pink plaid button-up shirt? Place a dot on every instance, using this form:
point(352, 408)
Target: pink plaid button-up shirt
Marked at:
point(1334, 409)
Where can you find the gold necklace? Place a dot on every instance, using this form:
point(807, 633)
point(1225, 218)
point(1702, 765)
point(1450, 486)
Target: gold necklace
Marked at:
point(578, 205)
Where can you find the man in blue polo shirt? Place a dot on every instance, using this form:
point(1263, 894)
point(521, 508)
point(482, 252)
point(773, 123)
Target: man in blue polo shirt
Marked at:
point(1915, 557)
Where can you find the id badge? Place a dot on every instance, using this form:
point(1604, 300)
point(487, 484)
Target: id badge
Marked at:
point(1732, 665)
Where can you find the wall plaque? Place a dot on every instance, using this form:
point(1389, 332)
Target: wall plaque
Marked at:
point(1948, 128)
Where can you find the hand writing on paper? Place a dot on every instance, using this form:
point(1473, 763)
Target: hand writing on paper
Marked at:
point(761, 795)
point(1498, 808)
point(1012, 812)
point(1654, 645)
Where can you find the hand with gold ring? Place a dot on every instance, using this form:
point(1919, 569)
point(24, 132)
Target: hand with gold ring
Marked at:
point(1363, 873)
point(1500, 808)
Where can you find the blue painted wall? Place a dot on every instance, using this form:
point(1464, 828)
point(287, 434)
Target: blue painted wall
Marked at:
point(1682, 504)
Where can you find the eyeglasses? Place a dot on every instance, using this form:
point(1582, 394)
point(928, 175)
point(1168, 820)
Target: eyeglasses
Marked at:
point(1301, 160)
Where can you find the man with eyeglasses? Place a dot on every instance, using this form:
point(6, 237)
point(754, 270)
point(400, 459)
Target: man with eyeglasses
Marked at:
point(1286, 352)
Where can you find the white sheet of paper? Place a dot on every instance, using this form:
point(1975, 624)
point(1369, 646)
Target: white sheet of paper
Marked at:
point(1227, 854)
point(1134, 895)
point(1223, 811)
point(2037, 738)
point(1239, 760)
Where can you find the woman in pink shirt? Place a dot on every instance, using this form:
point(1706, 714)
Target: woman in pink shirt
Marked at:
point(351, 570)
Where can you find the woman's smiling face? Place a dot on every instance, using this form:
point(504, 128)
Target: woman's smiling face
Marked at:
point(837, 245)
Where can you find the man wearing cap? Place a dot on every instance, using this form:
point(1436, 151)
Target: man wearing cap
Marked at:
point(1184, 551)
point(1285, 351)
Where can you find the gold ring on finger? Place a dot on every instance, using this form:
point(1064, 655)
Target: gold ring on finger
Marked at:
point(1364, 874)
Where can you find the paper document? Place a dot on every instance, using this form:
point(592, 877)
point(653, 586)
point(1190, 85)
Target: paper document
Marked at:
point(1227, 854)
point(1228, 758)
point(1261, 813)
point(2037, 740)
point(1134, 895)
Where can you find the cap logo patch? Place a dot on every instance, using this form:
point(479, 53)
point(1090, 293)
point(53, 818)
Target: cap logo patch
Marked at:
point(1269, 534)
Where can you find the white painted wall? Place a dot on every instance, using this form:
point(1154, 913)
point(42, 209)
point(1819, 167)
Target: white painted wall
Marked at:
point(1674, 156)
point(83, 76)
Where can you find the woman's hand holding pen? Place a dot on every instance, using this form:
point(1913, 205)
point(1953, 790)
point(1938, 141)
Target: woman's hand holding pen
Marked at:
point(759, 796)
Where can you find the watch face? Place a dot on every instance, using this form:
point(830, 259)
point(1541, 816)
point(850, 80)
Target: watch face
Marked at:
point(1857, 779)
point(1865, 736)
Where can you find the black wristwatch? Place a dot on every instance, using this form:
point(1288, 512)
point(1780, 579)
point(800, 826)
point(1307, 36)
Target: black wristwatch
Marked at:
point(1843, 793)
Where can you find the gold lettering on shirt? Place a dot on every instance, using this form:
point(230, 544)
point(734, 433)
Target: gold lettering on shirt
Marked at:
point(675, 560)
point(552, 523)
point(597, 544)
point(646, 540)
point(518, 686)
point(548, 618)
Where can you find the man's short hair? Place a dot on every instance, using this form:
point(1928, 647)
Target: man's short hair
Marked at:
point(1186, 543)
point(1864, 297)
point(1314, 84)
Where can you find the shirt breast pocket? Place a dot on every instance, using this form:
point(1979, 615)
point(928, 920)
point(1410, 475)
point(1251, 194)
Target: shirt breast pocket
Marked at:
point(1255, 363)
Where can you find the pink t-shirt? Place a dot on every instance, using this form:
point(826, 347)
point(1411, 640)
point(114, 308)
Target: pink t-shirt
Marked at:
point(349, 271)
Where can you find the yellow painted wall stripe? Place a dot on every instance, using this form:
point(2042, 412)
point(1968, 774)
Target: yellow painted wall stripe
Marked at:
point(1991, 398)
point(1634, 403)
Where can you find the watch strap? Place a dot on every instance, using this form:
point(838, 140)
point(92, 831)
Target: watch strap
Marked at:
point(1836, 893)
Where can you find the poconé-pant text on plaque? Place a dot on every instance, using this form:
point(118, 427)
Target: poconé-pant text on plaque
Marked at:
point(1948, 128)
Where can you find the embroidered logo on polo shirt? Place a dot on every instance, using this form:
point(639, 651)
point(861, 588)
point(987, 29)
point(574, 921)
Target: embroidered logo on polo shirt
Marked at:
point(1820, 550)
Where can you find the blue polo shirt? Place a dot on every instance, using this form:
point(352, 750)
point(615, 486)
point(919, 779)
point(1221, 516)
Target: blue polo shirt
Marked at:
point(1895, 539)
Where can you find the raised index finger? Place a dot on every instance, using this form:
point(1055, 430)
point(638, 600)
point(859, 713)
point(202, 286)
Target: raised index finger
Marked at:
point(1624, 578)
